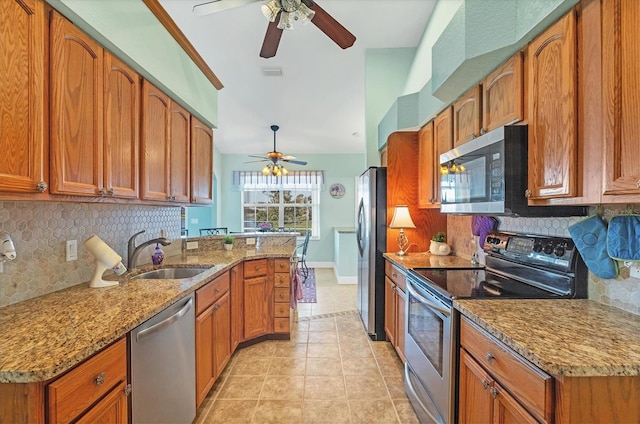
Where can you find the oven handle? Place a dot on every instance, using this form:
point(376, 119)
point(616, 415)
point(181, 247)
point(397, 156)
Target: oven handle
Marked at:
point(409, 385)
point(429, 303)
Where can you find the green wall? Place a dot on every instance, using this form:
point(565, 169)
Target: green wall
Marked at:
point(339, 168)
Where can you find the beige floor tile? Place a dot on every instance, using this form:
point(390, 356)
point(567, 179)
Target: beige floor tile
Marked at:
point(241, 387)
point(250, 365)
point(360, 366)
point(288, 349)
point(372, 411)
point(391, 367)
point(301, 325)
point(395, 386)
point(405, 412)
point(352, 337)
point(300, 336)
point(323, 350)
point(350, 325)
point(283, 387)
point(323, 337)
point(324, 366)
point(365, 387)
point(262, 349)
point(355, 350)
point(231, 411)
point(325, 412)
point(278, 412)
point(287, 366)
point(322, 325)
point(324, 388)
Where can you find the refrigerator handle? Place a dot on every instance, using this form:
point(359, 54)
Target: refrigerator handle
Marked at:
point(360, 229)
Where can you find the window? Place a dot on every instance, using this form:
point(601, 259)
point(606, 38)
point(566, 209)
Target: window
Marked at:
point(290, 203)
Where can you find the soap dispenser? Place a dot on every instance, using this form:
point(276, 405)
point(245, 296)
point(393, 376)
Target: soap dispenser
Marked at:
point(158, 255)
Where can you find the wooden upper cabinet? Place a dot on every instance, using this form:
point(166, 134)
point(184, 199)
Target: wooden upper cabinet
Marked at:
point(502, 95)
point(76, 110)
point(154, 146)
point(427, 167)
point(201, 163)
point(621, 81)
point(466, 116)
point(443, 141)
point(22, 89)
point(180, 138)
point(121, 129)
point(551, 63)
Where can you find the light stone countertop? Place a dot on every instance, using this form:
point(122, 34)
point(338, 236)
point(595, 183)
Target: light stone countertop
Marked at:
point(562, 337)
point(427, 260)
point(43, 337)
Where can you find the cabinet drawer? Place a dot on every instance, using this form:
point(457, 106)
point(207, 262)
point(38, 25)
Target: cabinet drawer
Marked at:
point(211, 292)
point(281, 325)
point(255, 268)
point(70, 395)
point(530, 385)
point(397, 276)
point(281, 279)
point(281, 310)
point(282, 265)
point(282, 295)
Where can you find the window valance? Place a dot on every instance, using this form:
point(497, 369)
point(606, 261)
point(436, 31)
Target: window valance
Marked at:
point(294, 179)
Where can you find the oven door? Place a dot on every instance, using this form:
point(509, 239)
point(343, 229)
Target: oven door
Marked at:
point(429, 352)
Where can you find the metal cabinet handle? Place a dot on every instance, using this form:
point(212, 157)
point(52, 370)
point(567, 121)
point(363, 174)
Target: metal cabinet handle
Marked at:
point(102, 191)
point(485, 383)
point(494, 392)
point(127, 390)
point(111, 192)
point(527, 193)
point(257, 268)
point(41, 186)
point(217, 290)
point(483, 131)
point(100, 379)
point(490, 357)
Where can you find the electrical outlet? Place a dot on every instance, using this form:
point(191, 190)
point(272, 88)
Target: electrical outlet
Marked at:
point(635, 270)
point(250, 241)
point(72, 250)
point(192, 245)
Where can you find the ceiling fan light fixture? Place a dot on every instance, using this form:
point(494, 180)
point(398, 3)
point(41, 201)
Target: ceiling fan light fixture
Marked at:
point(266, 170)
point(270, 9)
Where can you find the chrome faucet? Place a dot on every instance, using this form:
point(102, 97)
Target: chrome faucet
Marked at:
point(133, 252)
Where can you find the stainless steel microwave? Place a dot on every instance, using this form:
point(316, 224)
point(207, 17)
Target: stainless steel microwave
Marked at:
point(488, 176)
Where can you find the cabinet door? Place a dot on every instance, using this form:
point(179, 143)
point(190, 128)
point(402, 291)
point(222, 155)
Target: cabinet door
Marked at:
point(237, 311)
point(502, 95)
point(221, 333)
point(76, 110)
point(621, 79)
point(205, 369)
point(466, 117)
point(256, 308)
point(401, 299)
point(201, 163)
point(475, 403)
point(443, 140)
point(179, 138)
point(22, 90)
point(390, 310)
point(112, 409)
point(427, 164)
point(121, 128)
point(551, 62)
point(506, 409)
point(154, 144)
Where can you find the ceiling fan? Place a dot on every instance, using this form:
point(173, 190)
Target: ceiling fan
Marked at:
point(288, 11)
point(275, 167)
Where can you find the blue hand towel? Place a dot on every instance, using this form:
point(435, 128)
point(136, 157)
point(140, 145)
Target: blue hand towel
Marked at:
point(623, 238)
point(590, 237)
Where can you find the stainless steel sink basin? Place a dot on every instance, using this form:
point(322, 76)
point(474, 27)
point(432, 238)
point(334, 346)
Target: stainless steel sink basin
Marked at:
point(170, 273)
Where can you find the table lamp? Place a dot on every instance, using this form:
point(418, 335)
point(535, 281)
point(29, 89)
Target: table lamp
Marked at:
point(402, 219)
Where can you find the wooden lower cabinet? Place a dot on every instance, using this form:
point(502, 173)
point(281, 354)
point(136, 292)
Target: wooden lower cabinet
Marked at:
point(112, 409)
point(237, 306)
point(258, 299)
point(394, 307)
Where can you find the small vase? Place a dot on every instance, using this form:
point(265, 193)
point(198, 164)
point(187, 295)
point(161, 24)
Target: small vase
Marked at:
point(439, 248)
point(228, 246)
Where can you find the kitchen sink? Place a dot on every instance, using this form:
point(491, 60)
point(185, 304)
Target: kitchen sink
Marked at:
point(176, 273)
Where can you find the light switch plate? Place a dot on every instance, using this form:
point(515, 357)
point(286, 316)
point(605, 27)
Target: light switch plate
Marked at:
point(72, 250)
point(192, 245)
point(250, 241)
point(635, 270)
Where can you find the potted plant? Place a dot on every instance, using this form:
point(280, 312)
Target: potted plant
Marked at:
point(228, 242)
point(265, 226)
point(439, 244)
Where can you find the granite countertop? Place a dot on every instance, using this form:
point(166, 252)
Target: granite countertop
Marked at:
point(427, 260)
point(43, 337)
point(573, 338)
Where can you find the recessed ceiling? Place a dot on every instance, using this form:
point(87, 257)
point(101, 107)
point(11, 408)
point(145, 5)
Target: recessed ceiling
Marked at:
point(318, 102)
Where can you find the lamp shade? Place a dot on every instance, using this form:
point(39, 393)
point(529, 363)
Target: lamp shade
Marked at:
point(402, 218)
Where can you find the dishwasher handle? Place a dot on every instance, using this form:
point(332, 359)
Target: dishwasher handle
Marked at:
point(166, 322)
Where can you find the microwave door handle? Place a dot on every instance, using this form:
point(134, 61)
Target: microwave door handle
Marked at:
point(430, 304)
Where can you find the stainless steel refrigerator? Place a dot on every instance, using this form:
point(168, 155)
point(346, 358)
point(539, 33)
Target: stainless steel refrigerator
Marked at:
point(371, 236)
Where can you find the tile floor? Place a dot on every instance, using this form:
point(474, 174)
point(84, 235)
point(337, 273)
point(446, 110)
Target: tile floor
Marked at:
point(329, 372)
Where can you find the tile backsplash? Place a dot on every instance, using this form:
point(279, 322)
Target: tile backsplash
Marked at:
point(619, 292)
point(40, 230)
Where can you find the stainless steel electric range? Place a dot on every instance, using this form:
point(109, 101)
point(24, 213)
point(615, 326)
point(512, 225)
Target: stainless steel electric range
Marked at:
point(518, 266)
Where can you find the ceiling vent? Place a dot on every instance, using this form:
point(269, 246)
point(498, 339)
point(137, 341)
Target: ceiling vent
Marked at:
point(274, 71)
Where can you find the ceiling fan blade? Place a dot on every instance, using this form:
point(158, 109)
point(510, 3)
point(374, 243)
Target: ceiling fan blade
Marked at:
point(332, 28)
point(254, 161)
point(214, 6)
point(297, 162)
point(259, 157)
point(271, 39)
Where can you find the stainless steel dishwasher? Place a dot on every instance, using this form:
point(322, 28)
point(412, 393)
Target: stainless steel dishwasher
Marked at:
point(163, 366)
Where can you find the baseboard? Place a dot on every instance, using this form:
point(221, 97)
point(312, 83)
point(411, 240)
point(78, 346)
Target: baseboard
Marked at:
point(342, 279)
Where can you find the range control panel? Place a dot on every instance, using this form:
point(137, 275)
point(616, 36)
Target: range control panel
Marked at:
point(556, 252)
